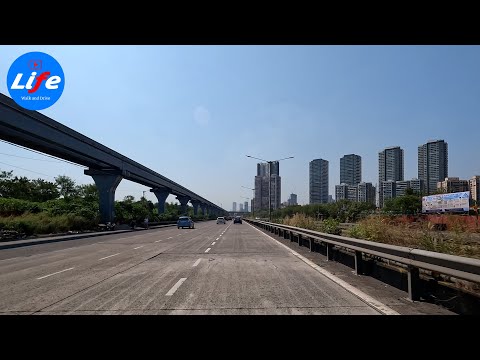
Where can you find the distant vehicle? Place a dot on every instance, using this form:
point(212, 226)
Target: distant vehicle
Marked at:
point(221, 220)
point(257, 218)
point(237, 219)
point(228, 218)
point(185, 221)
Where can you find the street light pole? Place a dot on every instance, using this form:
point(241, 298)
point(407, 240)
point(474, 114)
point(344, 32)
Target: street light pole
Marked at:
point(269, 182)
point(269, 191)
point(252, 205)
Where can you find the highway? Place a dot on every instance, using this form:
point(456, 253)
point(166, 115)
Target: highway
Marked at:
point(213, 269)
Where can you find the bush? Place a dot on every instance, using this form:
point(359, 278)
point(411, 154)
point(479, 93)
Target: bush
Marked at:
point(301, 221)
point(9, 207)
point(44, 223)
point(330, 226)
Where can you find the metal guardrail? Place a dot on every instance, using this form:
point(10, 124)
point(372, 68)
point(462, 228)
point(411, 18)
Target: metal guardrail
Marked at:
point(456, 266)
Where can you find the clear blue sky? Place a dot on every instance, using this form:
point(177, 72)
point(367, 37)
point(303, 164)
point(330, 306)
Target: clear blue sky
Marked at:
point(192, 113)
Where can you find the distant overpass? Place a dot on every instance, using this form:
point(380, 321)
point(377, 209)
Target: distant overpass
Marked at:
point(107, 167)
point(239, 213)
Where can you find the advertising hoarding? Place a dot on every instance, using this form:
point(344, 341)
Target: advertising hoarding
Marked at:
point(451, 202)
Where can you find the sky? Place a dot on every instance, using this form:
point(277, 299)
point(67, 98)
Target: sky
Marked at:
point(193, 113)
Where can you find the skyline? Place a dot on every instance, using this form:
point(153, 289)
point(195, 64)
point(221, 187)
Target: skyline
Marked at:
point(215, 104)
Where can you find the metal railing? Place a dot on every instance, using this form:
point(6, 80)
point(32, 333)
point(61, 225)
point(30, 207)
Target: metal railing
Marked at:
point(456, 266)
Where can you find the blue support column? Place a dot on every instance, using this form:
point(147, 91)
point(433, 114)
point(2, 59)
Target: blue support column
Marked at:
point(106, 183)
point(204, 209)
point(195, 204)
point(183, 200)
point(161, 194)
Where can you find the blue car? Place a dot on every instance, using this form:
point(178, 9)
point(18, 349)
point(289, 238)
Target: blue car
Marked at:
point(185, 221)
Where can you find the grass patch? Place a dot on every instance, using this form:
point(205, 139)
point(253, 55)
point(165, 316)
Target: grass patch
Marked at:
point(381, 229)
point(44, 223)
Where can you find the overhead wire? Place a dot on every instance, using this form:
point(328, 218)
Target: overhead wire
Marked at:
point(39, 152)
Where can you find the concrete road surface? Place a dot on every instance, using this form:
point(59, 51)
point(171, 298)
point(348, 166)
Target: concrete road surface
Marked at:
point(212, 269)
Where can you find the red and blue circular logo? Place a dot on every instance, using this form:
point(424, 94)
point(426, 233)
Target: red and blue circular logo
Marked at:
point(35, 81)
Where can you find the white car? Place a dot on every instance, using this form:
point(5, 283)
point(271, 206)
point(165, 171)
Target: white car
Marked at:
point(221, 220)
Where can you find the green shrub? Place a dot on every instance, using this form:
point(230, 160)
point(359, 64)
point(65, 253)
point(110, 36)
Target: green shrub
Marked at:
point(9, 207)
point(330, 226)
point(45, 223)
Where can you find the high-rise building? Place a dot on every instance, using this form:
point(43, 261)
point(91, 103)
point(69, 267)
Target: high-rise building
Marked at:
point(318, 185)
point(388, 190)
point(346, 192)
point(417, 186)
point(390, 167)
point(432, 164)
point(474, 186)
point(401, 187)
point(366, 193)
point(351, 169)
point(276, 191)
point(245, 206)
point(341, 192)
point(452, 184)
point(234, 206)
point(262, 186)
point(292, 200)
point(330, 199)
point(241, 207)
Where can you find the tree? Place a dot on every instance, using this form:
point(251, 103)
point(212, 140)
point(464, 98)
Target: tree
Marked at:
point(43, 190)
point(407, 205)
point(88, 192)
point(66, 186)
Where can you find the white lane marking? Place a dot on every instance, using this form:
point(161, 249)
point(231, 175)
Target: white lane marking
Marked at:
point(213, 243)
point(217, 239)
point(384, 309)
point(175, 287)
point(197, 262)
point(158, 240)
point(58, 272)
point(170, 237)
point(109, 256)
point(138, 247)
point(208, 250)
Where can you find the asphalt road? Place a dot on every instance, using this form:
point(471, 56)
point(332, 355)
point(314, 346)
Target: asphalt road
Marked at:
point(212, 269)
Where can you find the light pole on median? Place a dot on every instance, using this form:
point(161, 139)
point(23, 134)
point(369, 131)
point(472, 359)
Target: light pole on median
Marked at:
point(269, 182)
point(252, 205)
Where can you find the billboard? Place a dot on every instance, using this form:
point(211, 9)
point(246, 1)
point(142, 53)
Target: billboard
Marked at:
point(452, 202)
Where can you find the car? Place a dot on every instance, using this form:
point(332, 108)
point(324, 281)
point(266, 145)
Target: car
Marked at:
point(237, 219)
point(221, 220)
point(185, 221)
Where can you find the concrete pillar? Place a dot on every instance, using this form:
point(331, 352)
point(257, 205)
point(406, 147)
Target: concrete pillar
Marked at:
point(204, 209)
point(106, 184)
point(183, 200)
point(195, 204)
point(161, 195)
